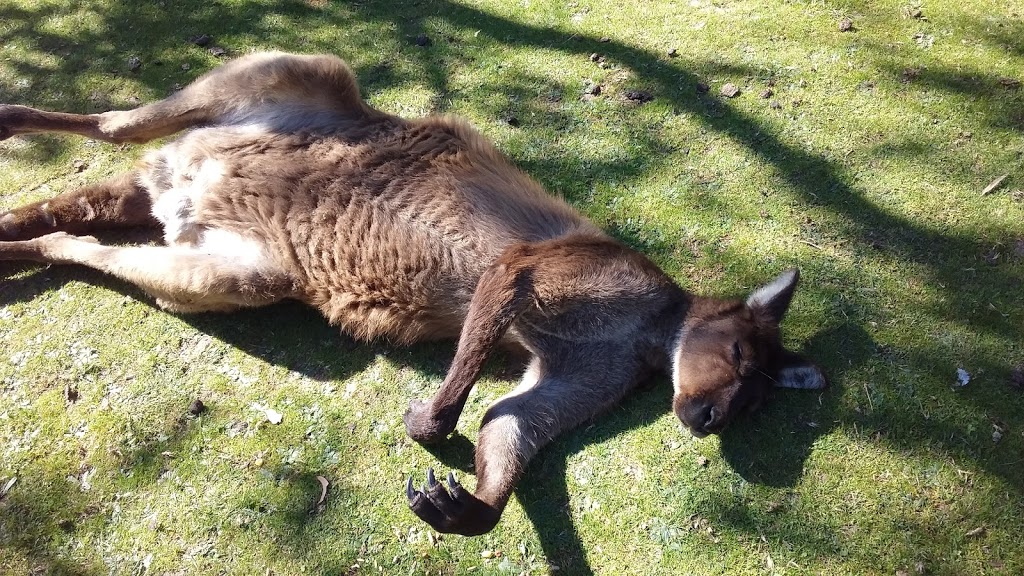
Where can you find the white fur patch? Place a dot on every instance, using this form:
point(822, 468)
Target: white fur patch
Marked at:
point(529, 380)
point(508, 439)
point(804, 377)
point(237, 248)
point(765, 294)
point(210, 172)
point(175, 208)
point(677, 350)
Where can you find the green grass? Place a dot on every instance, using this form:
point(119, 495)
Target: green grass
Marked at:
point(867, 174)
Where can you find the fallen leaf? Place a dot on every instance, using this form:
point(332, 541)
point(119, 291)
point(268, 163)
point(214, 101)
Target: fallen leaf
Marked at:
point(769, 563)
point(323, 489)
point(702, 461)
point(994, 184)
point(909, 74)
point(979, 531)
point(273, 416)
point(962, 377)
point(7, 486)
point(1009, 82)
point(730, 90)
point(845, 25)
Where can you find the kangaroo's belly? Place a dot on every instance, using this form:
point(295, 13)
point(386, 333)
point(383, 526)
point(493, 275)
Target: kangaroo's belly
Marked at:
point(384, 239)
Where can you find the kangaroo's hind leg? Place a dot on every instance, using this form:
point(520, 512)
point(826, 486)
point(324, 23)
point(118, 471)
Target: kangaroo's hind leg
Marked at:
point(243, 87)
point(181, 278)
point(119, 202)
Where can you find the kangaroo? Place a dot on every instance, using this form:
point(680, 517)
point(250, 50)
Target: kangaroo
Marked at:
point(289, 186)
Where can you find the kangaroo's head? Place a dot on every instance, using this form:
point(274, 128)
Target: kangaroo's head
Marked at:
point(729, 354)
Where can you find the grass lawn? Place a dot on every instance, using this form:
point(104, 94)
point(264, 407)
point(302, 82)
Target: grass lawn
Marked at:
point(859, 156)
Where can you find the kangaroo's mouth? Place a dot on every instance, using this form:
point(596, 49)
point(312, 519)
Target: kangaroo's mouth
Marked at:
point(697, 433)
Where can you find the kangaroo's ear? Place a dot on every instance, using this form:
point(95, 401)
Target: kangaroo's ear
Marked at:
point(773, 298)
point(795, 371)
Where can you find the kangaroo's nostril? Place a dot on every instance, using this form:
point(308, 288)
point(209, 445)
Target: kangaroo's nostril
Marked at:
point(712, 415)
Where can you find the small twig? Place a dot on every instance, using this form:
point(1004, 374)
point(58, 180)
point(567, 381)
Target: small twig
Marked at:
point(809, 243)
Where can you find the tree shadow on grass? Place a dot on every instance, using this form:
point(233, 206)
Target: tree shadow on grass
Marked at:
point(38, 515)
point(543, 492)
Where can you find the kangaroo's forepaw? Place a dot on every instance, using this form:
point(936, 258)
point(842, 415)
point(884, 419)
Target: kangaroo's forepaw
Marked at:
point(422, 427)
point(452, 510)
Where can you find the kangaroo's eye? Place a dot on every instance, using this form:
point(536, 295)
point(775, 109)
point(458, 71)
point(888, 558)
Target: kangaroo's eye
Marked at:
point(737, 353)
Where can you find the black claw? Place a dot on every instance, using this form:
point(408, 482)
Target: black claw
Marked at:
point(410, 492)
point(431, 481)
point(451, 481)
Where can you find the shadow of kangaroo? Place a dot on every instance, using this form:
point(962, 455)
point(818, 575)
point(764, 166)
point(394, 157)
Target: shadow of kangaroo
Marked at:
point(289, 186)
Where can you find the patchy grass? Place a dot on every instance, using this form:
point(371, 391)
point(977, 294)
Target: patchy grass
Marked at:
point(864, 166)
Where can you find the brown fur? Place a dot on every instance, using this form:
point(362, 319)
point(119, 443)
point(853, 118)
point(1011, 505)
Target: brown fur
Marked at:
point(290, 186)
